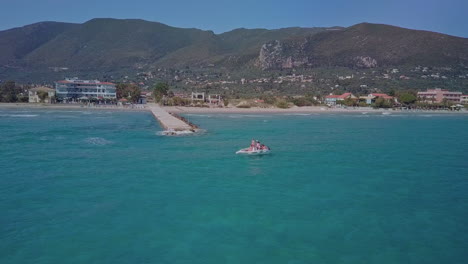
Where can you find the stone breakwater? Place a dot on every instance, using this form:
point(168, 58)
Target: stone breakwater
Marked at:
point(172, 124)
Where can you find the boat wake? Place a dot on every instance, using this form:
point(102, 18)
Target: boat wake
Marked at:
point(197, 132)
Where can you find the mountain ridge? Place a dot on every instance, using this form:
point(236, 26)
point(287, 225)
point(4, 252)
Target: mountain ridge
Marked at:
point(108, 45)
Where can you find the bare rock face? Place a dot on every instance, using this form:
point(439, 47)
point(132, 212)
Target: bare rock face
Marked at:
point(365, 62)
point(272, 56)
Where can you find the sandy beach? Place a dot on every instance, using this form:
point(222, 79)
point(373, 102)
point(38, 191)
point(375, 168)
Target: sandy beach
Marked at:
point(304, 109)
point(227, 110)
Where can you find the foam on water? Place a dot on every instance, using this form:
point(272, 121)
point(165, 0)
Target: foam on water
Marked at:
point(17, 115)
point(98, 141)
point(198, 115)
point(297, 114)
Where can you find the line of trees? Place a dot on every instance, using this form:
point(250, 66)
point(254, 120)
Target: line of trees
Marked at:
point(128, 91)
point(160, 90)
point(10, 92)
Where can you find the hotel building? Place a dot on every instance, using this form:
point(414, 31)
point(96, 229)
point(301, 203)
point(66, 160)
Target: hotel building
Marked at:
point(438, 95)
point(74, 89)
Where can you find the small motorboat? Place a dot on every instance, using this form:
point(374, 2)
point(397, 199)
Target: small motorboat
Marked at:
point(253, 152)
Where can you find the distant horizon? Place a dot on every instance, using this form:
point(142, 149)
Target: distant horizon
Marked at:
point(228, 30)
point(446, 17)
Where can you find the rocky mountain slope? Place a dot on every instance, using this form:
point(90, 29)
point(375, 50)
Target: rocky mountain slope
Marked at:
point(109, 45)
point(366, 46)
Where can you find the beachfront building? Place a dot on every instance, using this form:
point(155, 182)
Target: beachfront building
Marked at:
point(370, 98)
point(464, 99)
point(35, 94)
point(214, 99)
point(74, 89)
point(438, 95)
point(332, 100)
point(198, 97)
point(143, 98)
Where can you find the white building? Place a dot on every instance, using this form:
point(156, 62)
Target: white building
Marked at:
point(74, 89)
point(464, 99)
point(34, 94)
point(198, 97)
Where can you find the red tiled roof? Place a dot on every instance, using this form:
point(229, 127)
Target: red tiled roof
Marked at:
point(344, 95)
point(386, 96)
point(339, 96)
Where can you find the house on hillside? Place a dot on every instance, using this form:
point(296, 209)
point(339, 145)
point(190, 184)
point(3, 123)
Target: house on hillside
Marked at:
point(332, 100)
point(35, 95)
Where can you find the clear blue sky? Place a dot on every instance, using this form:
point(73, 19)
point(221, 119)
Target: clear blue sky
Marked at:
point(449, 16)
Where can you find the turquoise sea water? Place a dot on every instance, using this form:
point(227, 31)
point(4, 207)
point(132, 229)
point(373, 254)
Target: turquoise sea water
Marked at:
point(103, 187)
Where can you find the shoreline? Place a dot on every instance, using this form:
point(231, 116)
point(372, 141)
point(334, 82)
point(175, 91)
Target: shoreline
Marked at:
point(296, 110)
point(230, 110)
point(69, 107)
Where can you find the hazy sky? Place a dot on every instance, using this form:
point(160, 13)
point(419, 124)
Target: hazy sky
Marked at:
point(448, 16)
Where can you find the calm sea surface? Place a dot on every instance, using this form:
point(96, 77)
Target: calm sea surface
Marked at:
point(103, 187)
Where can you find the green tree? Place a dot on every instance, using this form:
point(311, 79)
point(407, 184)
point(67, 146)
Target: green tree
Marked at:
point(407, 98)
point(160, 89)
point(301, 101)
point(268, 99)
point(282, 104)
point(350, 102)
point(8, 92)
point(120, 90)
point(446, 103)
point(130, 92)
point(42, 95)
point(382, 103)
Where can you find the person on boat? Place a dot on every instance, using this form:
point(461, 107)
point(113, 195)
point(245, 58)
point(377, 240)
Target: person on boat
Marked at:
point(259, 145)
point(264, 147)
point(252, 145)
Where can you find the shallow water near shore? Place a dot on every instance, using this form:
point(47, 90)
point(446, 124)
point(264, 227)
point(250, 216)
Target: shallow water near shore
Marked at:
point(104, 187)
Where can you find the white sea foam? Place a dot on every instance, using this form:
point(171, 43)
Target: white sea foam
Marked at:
point(198, 115)
point(98, 141)
point(244, 116)
point(66, 116)
point(181, 133)
point(297, 114)
point(17, 115)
